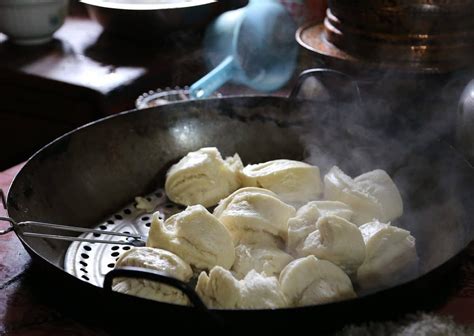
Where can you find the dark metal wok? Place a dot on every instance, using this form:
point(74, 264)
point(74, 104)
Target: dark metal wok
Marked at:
point(86, 175)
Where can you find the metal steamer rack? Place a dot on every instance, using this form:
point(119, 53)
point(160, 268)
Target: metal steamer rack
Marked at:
point(93, 254)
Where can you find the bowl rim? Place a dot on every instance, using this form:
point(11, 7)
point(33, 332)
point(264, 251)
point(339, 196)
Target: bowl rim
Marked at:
point(147, 6)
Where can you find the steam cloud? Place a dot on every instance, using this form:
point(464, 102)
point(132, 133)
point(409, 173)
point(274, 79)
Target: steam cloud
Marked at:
point(404, 139)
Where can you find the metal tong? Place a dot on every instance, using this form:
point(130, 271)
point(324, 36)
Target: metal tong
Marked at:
point(20, 227)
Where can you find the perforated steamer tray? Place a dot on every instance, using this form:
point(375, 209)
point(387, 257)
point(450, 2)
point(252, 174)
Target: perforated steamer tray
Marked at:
point(90, 262)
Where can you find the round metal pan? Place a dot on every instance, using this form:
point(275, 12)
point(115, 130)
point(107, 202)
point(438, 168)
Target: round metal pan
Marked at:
point(86, 175)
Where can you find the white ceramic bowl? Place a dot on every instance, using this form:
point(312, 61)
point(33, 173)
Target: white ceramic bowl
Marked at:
point(29, 22)
point(146, 21)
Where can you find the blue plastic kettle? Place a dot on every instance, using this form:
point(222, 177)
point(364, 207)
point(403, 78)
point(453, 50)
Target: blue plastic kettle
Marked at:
point(253, 45)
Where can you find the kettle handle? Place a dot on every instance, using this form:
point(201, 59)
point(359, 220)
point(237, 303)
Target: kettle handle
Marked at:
point(220, 75)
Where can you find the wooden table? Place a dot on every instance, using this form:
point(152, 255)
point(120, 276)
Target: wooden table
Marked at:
point(82, 75)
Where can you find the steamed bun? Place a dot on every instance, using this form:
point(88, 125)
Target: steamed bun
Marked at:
point(372, 195)
point(203, 177)
point(257, 238)
point(268, 261)
point(337, 240)
point(256, 210)
point(196, 236)
point(158, 260)
point(311, 281)
point(304, 222)
point(294, 182)
point(391, 255)
point(221, 290)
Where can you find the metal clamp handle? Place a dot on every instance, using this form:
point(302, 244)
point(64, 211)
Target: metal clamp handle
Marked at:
point(10, 228)
point(338, 85)
point(147, 274)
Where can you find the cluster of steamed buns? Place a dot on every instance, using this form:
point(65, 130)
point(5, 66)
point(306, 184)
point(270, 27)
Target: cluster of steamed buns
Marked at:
point(279, 236)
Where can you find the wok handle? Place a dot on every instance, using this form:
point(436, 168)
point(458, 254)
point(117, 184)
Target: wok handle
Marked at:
point(5, 219)
point(152, 275)
point(3, 199)
point(327, 85)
